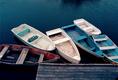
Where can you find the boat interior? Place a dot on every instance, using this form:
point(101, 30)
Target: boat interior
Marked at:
point(34, 38)
point(19, 55)
point(86, 26)
point(63, 43)
point(83, 24)
point(108, 47)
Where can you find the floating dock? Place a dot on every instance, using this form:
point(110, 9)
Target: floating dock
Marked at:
point(77, 72)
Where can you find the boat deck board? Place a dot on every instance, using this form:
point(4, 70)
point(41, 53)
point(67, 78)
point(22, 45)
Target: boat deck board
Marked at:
point(22, 56)
point(77, 72)
point(74, 33)
point(3, 51)
point(56, 37)
point(67, 48)
point(41, 58)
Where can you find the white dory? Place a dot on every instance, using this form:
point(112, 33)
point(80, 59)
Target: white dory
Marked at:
point(87, 27)
point(65, 46)
point(33, 37)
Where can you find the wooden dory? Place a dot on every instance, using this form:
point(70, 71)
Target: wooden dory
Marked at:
point(32, 37)
point(19, 54)
point(64, 45)
point(87, 27)
point(107, 46)
point(83, 40)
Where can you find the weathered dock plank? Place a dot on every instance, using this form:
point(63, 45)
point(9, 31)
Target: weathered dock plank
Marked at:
point(77, 72)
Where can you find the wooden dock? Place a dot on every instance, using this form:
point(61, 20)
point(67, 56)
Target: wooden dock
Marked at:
point(77, 72)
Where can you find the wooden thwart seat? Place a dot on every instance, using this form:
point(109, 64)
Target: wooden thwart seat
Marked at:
point(52, 32)
point(4, 50)
point(103, 39)
point(87, 28)
point(24, 32)
point(61, 40)
point(41, 58)
point(100, 38)
point(113, 57)
point(108, 47)
point(22, 56)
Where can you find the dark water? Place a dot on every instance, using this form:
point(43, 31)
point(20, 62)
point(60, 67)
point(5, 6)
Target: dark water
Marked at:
point(49, 14)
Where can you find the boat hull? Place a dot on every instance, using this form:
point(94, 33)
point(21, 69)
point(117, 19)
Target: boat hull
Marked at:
point(88, 51)
point(65, 46)
point(34, 32)
point(108, 47)
point(70, 59)
point(79, 36)
point(14, 54)
point(89, 29)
